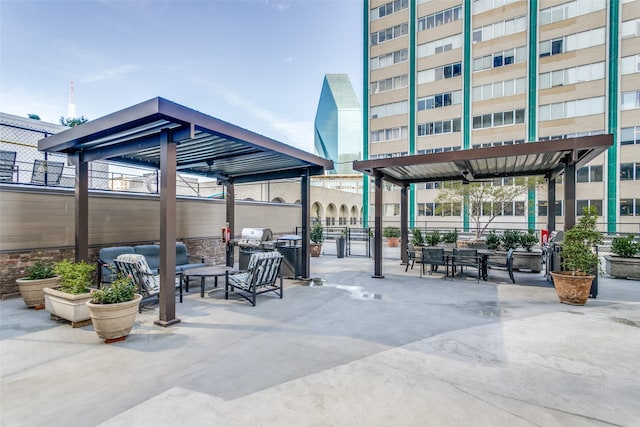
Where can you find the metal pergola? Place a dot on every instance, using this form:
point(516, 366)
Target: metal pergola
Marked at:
point(170, 137)
point(542, 158)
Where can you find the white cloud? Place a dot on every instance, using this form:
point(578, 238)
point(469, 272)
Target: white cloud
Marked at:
point(113, 74)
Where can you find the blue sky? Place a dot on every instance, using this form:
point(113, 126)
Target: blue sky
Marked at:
point(256, 63)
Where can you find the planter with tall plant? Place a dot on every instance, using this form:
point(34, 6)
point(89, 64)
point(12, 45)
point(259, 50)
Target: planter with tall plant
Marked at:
point(40, 275)
point(68, 300)
point(316, 237)
point(578, 259)
point(393, 236)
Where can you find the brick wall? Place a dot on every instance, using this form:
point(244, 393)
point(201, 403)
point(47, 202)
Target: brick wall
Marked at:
point(13, 263)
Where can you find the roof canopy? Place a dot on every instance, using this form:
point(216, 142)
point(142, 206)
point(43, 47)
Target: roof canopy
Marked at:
point(546, 158)
point(205, 145)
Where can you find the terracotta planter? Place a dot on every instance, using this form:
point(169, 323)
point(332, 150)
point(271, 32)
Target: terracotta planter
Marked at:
point(393, 242)
point(112, 322)
point(67, 306)
point(315, 249)
point(32, 290)
point(622, 268)
point(573, 290)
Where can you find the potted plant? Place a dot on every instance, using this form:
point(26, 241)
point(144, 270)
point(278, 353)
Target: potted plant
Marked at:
point(393, 236)
point(578, 259)
point(624, 264)
point(528, 259)
point(417, 239)
point(113, 309)
point(434, 238)
point(450, 239)
point(510, 239)
point(68, 299)
point(316, 236)
point(493, 240)
point(40, 275)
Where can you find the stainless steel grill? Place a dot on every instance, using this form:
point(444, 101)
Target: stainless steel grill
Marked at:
point(253, 239)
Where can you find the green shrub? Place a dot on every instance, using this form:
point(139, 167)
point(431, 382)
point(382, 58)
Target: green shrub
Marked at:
point(450, 237)
point(577, 253)
point(625, 246)
point(528, 240)
point(416, 237)
point(493, 240)
point(75, 277)
point(391, 232)
point(121, 290)
point(434, 238)
point(510, 239)
point(316, 233)
point(39, 270)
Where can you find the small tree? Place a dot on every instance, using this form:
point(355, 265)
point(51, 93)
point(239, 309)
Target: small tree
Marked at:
point(577, 254)
point(484, 199)
point(72, 122)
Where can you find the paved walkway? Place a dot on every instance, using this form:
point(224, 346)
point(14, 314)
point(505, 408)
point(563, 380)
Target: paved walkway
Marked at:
point(357, 351)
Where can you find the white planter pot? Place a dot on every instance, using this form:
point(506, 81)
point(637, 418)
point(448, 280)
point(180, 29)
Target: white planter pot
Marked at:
point(527, 261)
point(67, 306)
point(32, 290)
point(112, 322)
point(622, 268)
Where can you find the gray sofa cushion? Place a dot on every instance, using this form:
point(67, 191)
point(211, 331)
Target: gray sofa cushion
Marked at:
point(106, 257)
point(151, 253)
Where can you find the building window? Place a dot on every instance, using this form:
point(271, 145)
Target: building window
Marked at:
point(389, 9)
point(391, 83)
point(503, 118)
point(389, 59)
point(387, 110)
point(630, 100)
point(439, 73)
point(572, 42)
point(389, 33)
point(390, 134)
point(581, 205)
point(630, 28)
point(440, 18)
point(500, 29)
point(574, 75)
point(391, 209)
point(439, 46)
point(499, 59)
point(437, 128)
point(630, 64)
point(589, 174)
point(569, 109)
point(629, 207)
point(570, 10)
point(499, 89)
point(483, 5)
point(543, 208)
point(439, 100)
point(630, 135)
point(629, 171)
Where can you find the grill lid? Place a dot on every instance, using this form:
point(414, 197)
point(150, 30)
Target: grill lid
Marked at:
point(253, 236)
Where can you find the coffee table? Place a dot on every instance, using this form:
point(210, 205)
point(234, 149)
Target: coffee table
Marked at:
point(208, 271)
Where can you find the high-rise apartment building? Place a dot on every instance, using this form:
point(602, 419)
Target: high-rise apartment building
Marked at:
point(445, 75)
point(338, 123)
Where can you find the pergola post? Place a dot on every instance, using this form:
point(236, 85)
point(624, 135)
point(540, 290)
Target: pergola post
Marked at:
point(305, 192)
point(551, 204)
point(167, 230)
point(404, 223)
point(569, 195)
point(231, 215)
point(377, 239)
point(81, 209)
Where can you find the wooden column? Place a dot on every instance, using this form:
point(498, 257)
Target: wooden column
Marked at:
point(231, 220)
point(167, 230)
point(551, 205)
point(569, 195)
point(305, 199)
point(377, 239)
point(81, 209)
point(404, 223)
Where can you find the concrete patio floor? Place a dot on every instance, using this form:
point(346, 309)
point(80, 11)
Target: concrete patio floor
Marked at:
point(357, 351)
